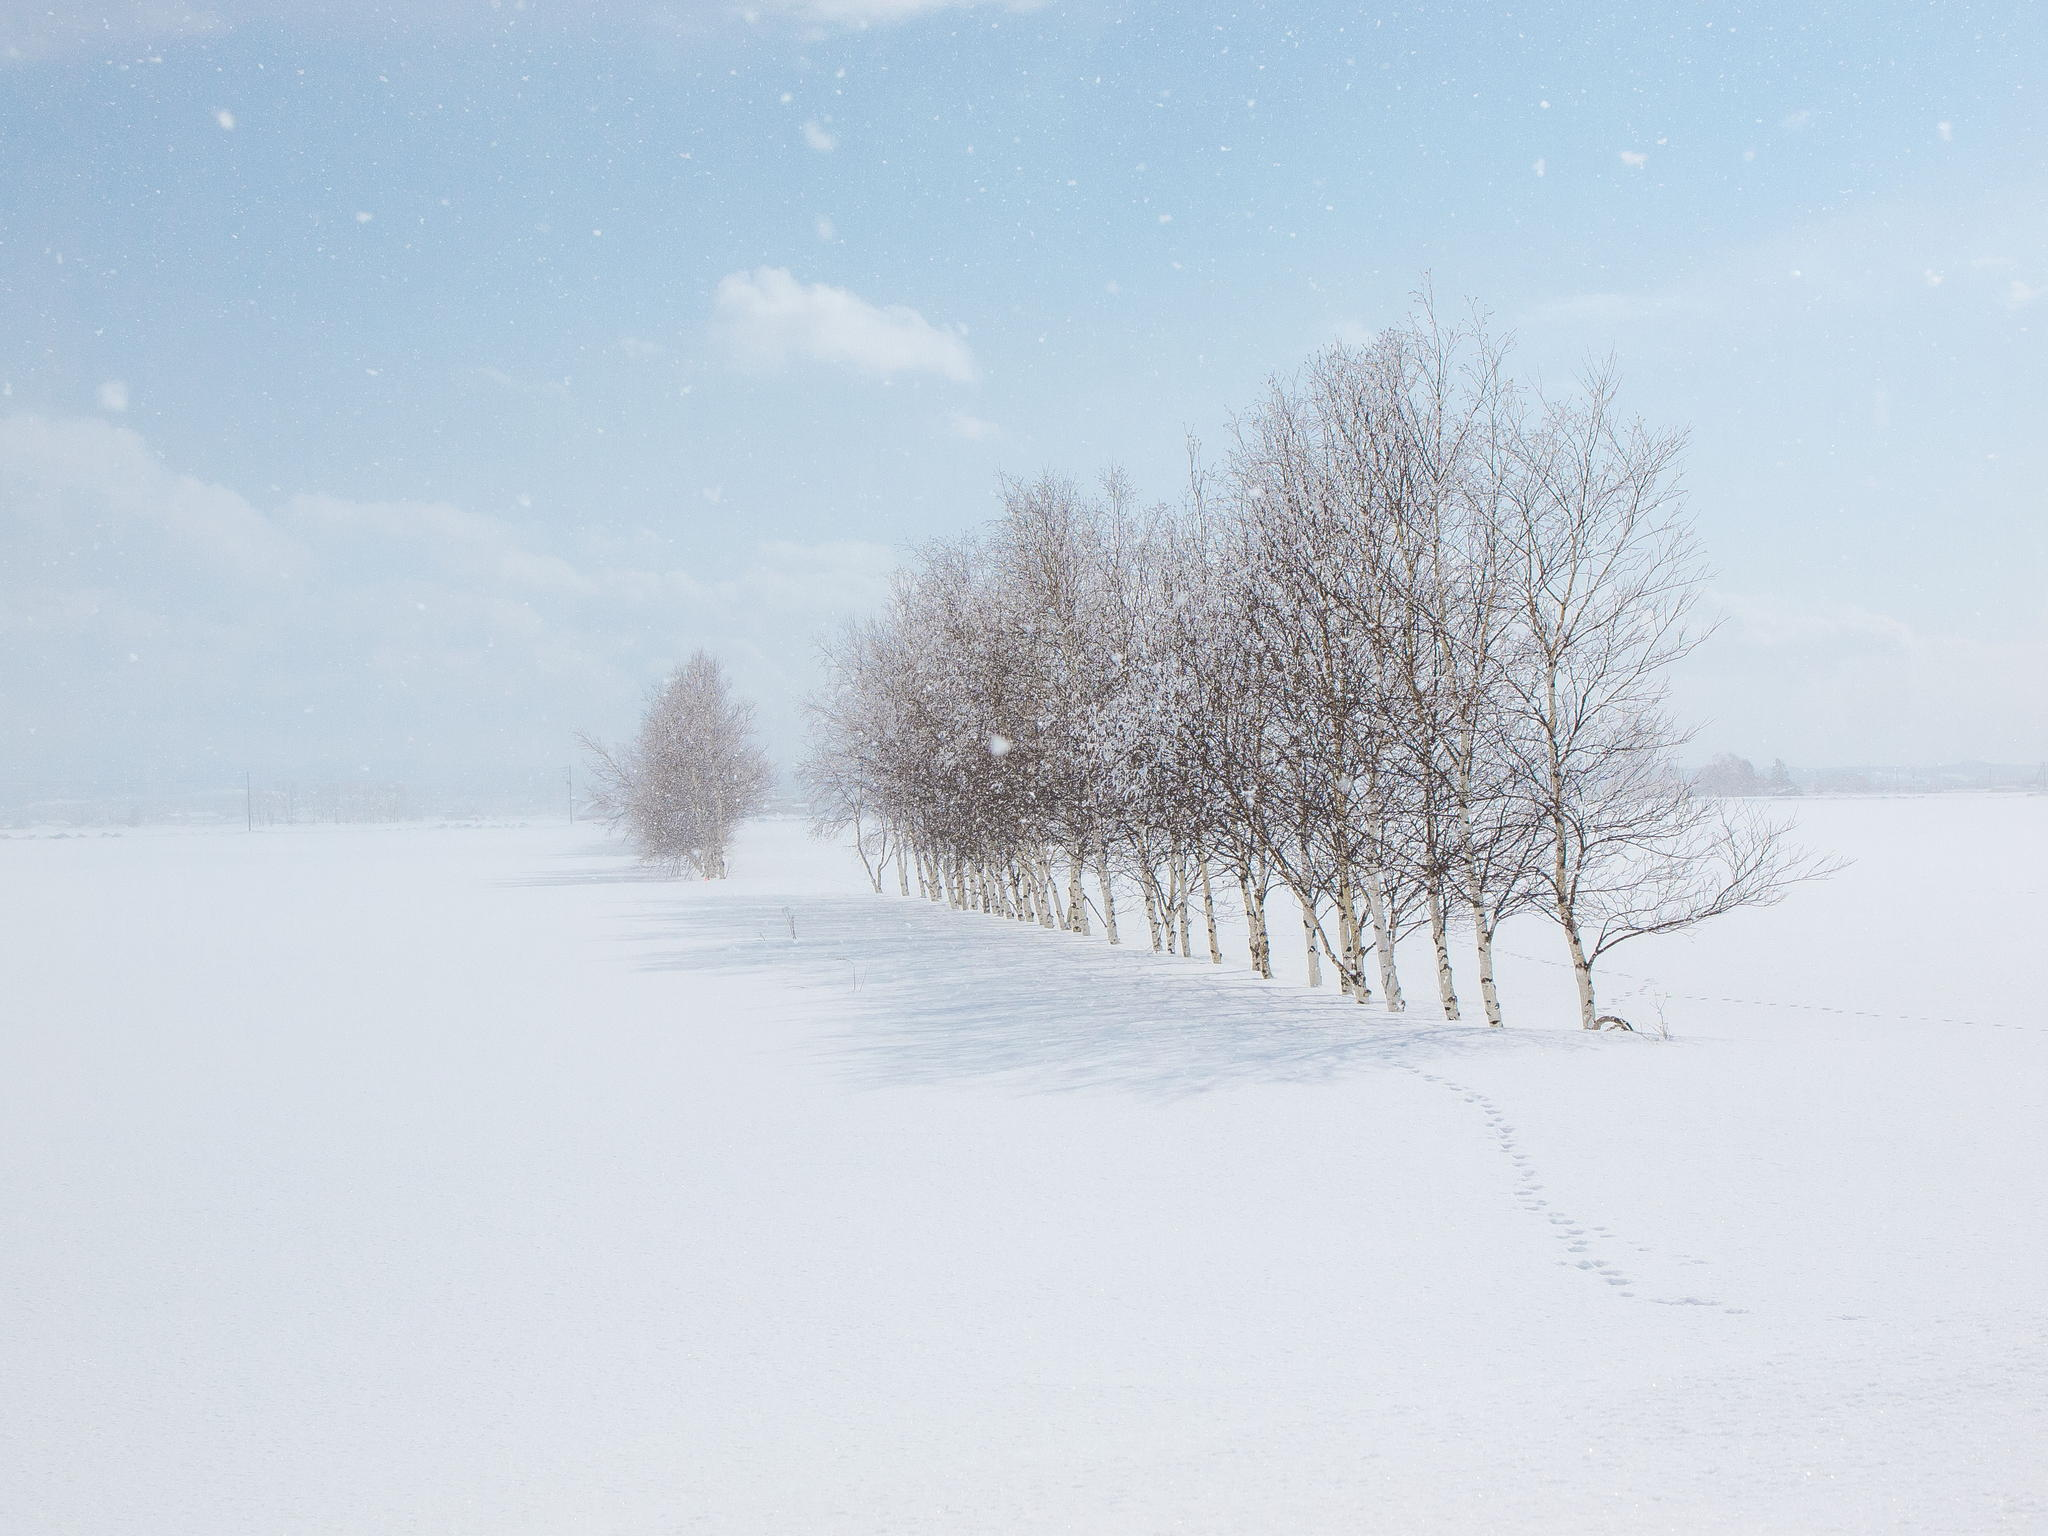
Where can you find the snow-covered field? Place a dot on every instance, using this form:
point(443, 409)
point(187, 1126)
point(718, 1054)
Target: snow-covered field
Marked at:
point(466, 1181)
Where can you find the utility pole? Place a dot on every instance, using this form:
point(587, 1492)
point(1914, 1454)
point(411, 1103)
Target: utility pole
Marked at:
point(569, 789)
point(248, 801)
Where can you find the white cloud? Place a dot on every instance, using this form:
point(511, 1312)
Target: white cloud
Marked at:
point(766, 317)
point(39, 29)
point(113, 396)
point(414, 630)
point(815, 135)
point(868, 13)
point(1606, 310)
point(973, 428)
point(1849, 684)
point(554, 390)
point(1635, 160)
point(1871, 258)
point(61, 475)
point(1775, 621)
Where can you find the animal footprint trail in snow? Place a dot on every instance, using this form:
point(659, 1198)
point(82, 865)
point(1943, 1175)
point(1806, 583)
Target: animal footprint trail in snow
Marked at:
point(1642, 986)
point(1583, 1242)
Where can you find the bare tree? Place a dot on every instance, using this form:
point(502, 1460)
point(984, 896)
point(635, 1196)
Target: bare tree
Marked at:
point(1603, 579)
point(1401, 655)
point(1645, 856)
point(691, 775)
point(1730, 775)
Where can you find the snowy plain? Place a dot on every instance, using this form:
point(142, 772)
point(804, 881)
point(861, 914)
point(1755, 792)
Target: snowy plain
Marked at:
point(466, 1180)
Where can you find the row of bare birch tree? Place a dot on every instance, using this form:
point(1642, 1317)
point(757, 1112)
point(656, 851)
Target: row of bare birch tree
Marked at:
point(1395, 662)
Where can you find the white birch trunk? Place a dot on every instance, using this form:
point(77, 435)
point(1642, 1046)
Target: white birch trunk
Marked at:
point(1582, 973)
point(1383, 942)
point(860, 846)
point(1446, 983)
point(1482, 931)
point(1568, 920)
point(1347, 981)
point(1482, 917)
point(1353, 934)
point(1255, 924)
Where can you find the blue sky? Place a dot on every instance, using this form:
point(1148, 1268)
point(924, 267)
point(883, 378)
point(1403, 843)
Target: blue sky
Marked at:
point(403, 393)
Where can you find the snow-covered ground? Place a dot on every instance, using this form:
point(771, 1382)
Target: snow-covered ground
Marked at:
point(467, 1181)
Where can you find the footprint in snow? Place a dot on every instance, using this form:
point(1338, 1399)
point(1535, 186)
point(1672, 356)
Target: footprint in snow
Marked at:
point(1578, 1239)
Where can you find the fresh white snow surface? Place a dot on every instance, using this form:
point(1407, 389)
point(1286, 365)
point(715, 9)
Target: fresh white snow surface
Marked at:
point(463, 1180)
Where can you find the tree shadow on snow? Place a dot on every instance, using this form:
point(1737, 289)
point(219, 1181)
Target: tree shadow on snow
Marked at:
point(941, 996)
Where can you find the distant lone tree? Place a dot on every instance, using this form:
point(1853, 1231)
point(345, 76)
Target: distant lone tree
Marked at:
point(692, 775)
point(1730, 775)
